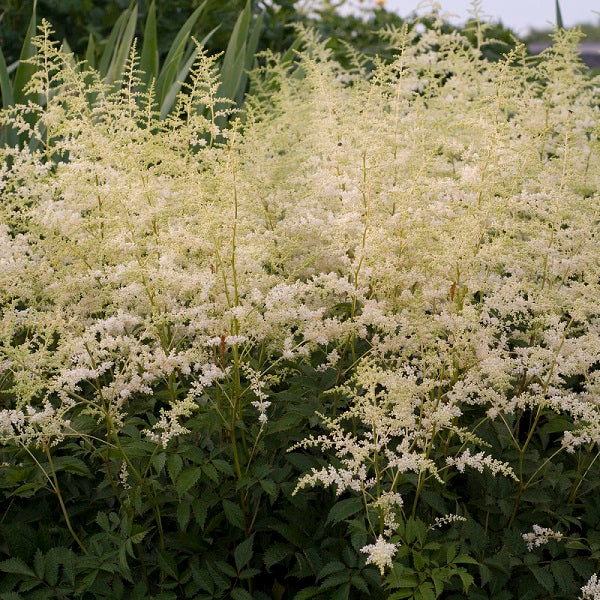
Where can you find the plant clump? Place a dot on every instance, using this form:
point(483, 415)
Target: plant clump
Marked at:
point(380, 281)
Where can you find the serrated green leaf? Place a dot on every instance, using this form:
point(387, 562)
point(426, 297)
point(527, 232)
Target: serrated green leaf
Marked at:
point(71, 464)
point(465, 559)
point(243, 553)
point(306, 593)
point(248, 573)
point(275, 554)
point(466, 579)
point(225, 568)
point(415, 530)
point(10, 596)
point(544, 577)
point(269, 486)
point(200, 510)
point(136, 538)
point(174, 465)
point(102, 520)
point(425, 592)
point(210, 472)
point(240, 594)
point(343, 509)
point(167, 564)
point(334, 581)
point(342, 593)
point(439, 580)
point(183, 515)
point(159, 461)
point(67, 557)
point(52, 566)
point(233, 514)
point(401, 577)
point(223, 466)
point(16, 566)
point(39, 563)
point(334, 566)
point(187, 479)
point(563, 574)
point(576, 545)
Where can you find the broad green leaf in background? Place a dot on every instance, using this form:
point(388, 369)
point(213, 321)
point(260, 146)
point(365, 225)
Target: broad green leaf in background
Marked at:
point(111, 43)
point(170, 69)
point(559, 19)
point(344, 509)
point(243, 553)
point(171, 94)
point(5, 84)
point(122, 50)
point(234, 60)
point(250, 52)
point(149, 56)
point(7, 134)
point(90, 53)
point(25, 70)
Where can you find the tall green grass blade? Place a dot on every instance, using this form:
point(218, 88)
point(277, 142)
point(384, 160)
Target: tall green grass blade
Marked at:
point(90, 53)
point(170, 68)
point(25, 71)
point(168, 73)
point(171, 95)
point(6, 88)
point(115, 71)
point(70, 55)
point(251, 48)
point(112, 42)
point(7, 135)
point(169, 99)
point(234, 59)
point(559, 19)
point(66, 47)
point(149, 56)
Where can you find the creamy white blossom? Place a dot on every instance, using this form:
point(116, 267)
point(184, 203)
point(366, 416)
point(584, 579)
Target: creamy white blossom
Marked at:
point(380, 553)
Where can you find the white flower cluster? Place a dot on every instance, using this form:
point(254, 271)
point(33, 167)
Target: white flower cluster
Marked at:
point(380, 553)
point(45, 427)
point(343, 479)
point(540, 536)
point(447, 520)
point(390, 504)
point(480, 461)
point(168, 425)
point(591, 590)
point(257, 386)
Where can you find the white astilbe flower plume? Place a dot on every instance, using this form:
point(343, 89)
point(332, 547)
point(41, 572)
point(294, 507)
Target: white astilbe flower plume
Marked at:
point(591, 590)
point(380, 553)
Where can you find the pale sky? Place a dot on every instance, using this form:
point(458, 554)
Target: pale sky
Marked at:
point(519, 15)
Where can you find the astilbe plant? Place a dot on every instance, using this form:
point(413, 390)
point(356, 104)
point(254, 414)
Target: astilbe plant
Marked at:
point(425, 232)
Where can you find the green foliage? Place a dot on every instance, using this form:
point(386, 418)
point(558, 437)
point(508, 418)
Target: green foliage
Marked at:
point(167, 78)
point(344, 348)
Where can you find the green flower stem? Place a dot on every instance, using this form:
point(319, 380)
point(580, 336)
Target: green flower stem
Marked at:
point(56, 488)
